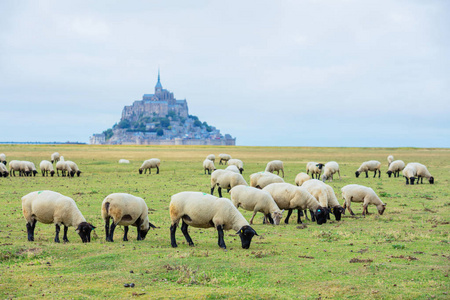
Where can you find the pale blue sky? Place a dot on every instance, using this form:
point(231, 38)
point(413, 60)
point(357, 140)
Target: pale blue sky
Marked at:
point(271, 73)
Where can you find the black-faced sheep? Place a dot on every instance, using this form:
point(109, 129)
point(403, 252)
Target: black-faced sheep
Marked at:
point(74, 167)
point(224, 158)
point(329, 170)
point(326, 197)
point(238, 163)
point(262, 179)
point(371, 165)
point(3, 158)
point(422, 172)
point(225, 180)
point(314, 168)
point(149, 164)
point(359, 193)
point(410, 173)
point(395, 167)
point(3, 170)
point(208, 165)
point(55, 157)
point(46, 167)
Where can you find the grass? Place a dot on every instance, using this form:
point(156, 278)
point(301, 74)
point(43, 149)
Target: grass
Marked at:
point(403, 254)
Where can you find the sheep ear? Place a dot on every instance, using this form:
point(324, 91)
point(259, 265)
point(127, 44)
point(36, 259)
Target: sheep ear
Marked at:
point(92, 226)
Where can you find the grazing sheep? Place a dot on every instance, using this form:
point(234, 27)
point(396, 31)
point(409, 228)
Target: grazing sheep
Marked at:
point(126, 210)
point(301, 178)
point(50, 207)
point(3, 170)
point(262, 179)
point(256, 200)
point(224, 158)
point(359, 193)
point(329, 169)
point(371, 165)
point(3, 158)
point(149, 164)
point(395, 167)
point(232, 168)
point(225, 179)
point(390, 159)
point(204, 211)
point(74, 167)
point(208, 165)
point(238, 163)
point(410, 173)
point(64, 167)
point(314, 168)
point(31, 167)
point(422, 172)
point(211, 157)
point(55, 157)
point(20, 166)
point(289, 196)
point(275, 165)
point(326, 197)
point(46, 167)
point(124, 161)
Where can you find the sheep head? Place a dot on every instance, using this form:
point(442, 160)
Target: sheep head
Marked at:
point(431, 180)
point(320, 215)
point(246, 234)
point(277, 216)
point(84, 231)
point(357, 174)
point(338, 211)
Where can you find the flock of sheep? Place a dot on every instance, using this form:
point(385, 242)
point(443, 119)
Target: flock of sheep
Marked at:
point(267, 193)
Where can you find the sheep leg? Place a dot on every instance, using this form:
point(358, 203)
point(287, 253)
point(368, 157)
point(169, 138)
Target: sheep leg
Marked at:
point(407, 181)
point(364, 210)
point(157, 170)
point(282, 171)
point(125, 233)
point(184, 230)
point(349, 209)
point(57, 233)
point(221, 242)
point(251, 220)
point(339, 174)
point(219, 189)
point(30, 230)
point(65, 239)
point(299, 216)
point(111, 232)
point(269, 217)
point(212, 190)
point(107, 229)
point(286, 221)
point(305, 213)
point(379, 173)
point(367, 174)
point(313, 218)
point(173, 241)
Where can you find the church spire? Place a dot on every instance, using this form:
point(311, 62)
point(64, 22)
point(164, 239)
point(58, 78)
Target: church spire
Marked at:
point(158, 86)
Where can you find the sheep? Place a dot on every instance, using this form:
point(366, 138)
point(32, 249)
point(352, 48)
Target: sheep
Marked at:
point(208, 165)
point(390, 159)
point(55, 157)
point(126, 210)
point(360, 193)
point(422, 171)
point(289, 196)
point(371, 165)
point(3, 170)
point(74, 167)
point(410, 173)
point(275, 165)
point(32, 167)
point(211, 157)
point(21, 166)
point(232, 168)
point(225, 179)
point(51, 207)
point(3, 158)
point(314, 168)
point(329, 169)
point(149, 164)
point(256, 200)
point(238, 163)
point(46, 167)
point(65, 168)
point(124, 161)
point(326, 197)
point(301, 178)
point(202, 210)
point(395, 167)
point(225, 158)
point(262, 179)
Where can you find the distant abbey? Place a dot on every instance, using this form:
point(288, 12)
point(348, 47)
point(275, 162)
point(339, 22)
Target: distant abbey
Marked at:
point(160, 119)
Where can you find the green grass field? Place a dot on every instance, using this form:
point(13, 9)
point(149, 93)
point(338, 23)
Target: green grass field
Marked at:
point(403, 254)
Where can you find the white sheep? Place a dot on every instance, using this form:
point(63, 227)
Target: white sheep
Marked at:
point(124, 161)
point(64, 167)
point(329, 169)
point(238, 163)
point(224, 158)
point(3, 170)
point(55, 157)
point(46, 167)
point(326, 197)
point(275, 165)
point(289, 196)
point(32, 167)
point(410, 173)
point(232, 168)
point(3, 158)
point(360, 193)
point(395, 167)
point(371, 165)
point(149, 164)
point(126, 210)
point(256, 200)
point(74, 167)
point(390, 159)
point(262, 179)
point(50, 207)
point(315, 169)
point(211, 157)
point(225, 180)
point(422, 172)
point(15, 165)
point(208, 165)
point(301, 178)
point(202, 210)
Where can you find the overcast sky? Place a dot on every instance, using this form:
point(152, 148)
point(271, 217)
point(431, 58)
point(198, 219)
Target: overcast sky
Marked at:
point(270, 73)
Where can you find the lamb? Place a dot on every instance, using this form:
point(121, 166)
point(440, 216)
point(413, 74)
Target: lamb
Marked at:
point(3, 158)
point(55, 157)
point(126, 210)
point(124, 161)
point(410, 173)
point(46, 167)
point(238, 163)
point(314, 168)
point(289, 196)
point(395, 167)
point(74, 167)
point(208, 165)
point(3, 170)
point(422, 171)
point(326, 197)
point(371, 165)
point(275, 165)
point(390, 159)
point(256, 200)
point(329, 169)
point(232, 168)
point(202, 210)
point(51, 207)
point(301, 178)
point(225, 179)
point(211, 157)
point(149, 164)
point(224, 158)
point(262, 179)
point(359, 193)
point(65, 168)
